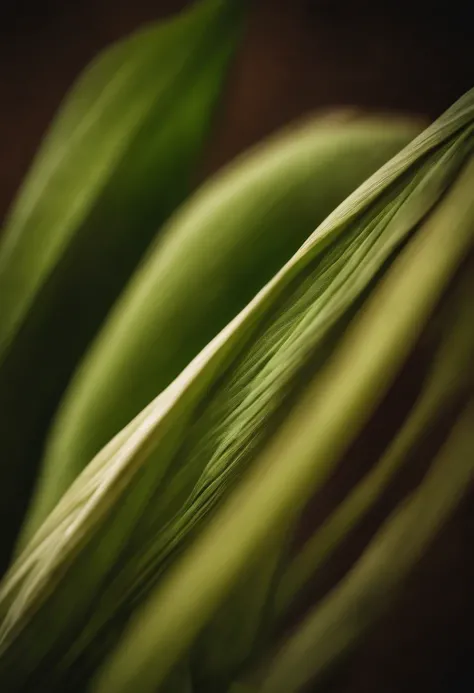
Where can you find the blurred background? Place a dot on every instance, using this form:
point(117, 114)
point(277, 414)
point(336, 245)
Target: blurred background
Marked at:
point(296, 56)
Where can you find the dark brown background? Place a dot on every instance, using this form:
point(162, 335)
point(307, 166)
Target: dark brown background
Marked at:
point(297, 55)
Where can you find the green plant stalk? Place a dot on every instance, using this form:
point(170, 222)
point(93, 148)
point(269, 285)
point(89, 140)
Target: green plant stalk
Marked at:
point(336, 625)
point(450, 374)
point(337, 405)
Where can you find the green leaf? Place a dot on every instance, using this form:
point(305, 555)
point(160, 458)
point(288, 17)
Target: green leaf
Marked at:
point(335, 626)
point(117, 161)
